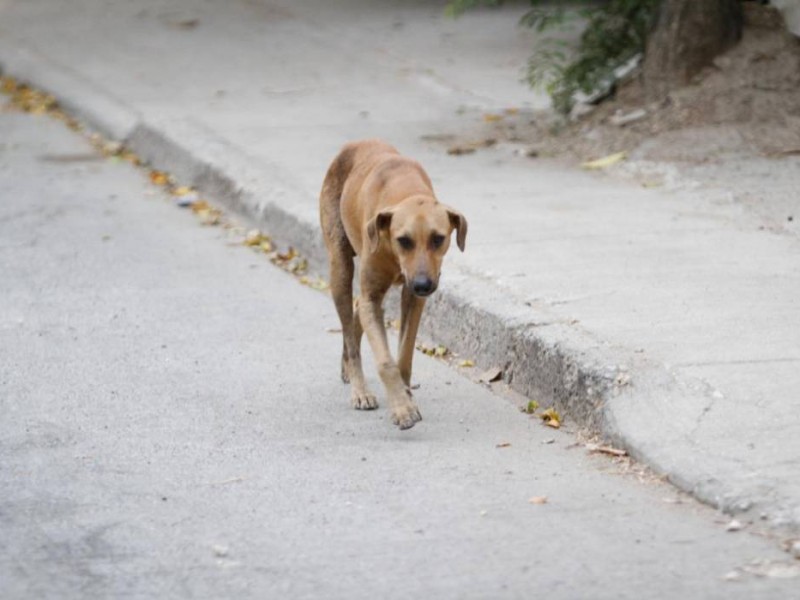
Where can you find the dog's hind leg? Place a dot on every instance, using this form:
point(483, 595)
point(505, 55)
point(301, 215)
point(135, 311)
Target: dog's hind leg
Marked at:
point(341, 258)
point(342, 290)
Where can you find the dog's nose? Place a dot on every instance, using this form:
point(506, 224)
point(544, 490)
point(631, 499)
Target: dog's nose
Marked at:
point(422, 285)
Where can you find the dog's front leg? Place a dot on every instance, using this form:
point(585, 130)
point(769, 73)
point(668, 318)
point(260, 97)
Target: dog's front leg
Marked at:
point(410, 314)
point(404, 412)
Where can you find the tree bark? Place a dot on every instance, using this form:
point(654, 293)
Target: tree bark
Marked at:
point(687, 36)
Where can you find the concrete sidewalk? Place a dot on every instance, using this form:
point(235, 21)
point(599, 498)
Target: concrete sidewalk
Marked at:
point(668, 321)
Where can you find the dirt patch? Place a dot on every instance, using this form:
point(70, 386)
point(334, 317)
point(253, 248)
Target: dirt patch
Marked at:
point(746, 103)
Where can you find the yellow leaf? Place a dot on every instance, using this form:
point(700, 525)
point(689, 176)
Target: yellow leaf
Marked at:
point(492, 118)
point(425, 349)
point(200, 206)
point(266, 246)
point(467, 363)
point(606, 161)
point(440, 351)
point(182, 190)
point(159, 177)
point(551, 418)
point(253, 238)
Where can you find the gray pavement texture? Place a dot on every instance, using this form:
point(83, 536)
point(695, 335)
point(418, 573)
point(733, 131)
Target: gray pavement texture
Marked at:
point(174, 426)
point(666, 319)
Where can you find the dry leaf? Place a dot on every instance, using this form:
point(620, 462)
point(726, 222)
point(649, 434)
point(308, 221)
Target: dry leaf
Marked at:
point(492, 118)
point(209, 216)
point(200, 206)
point(182, 190)
point(298, 266)
point(490, 375)
point(470, 147)
point(440, 351)
point(538, 500)
point(467, 363)
point(551, 418)
point(503, 445)
point(459, 150)
point(254, 238)
point(606, 161)
point(288, 255)
point(734, 525)
point(159, 177)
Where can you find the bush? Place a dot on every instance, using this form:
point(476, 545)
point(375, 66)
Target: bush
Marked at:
point(615, 33)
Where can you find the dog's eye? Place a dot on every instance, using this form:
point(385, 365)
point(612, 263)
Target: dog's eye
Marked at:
point(437, 240)
point(406, 243)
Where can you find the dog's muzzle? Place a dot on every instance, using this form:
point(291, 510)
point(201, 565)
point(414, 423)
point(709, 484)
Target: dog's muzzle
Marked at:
point(422, 285)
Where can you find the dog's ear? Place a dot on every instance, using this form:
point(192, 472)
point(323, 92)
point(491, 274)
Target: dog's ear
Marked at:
point(380, 223)
point(459, 223)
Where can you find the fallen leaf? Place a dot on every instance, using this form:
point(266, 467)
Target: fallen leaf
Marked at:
point(317, 284)
point(440, 351)
point(159, 177)
point(490, 375)
point(492, 117)
point(288, 255)
point(254, 238)
point(459, 150)
point(425, 349)
point(470, 147)
point(298, 266)
point(734, 525)
point(532, 407)
point(467, 363)
point(209, 216)
point(551, 418)
point(538, 500)
point(503, 445)
point(200, 206)
point(606, 161)
point(182, 190)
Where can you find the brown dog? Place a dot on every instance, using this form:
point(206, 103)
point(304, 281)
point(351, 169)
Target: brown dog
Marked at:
point(380, 206)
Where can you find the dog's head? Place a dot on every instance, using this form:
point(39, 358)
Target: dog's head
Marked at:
point(418, 232)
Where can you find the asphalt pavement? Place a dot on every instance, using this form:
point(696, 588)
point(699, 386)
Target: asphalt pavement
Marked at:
point(174, 426)
point(663, 318)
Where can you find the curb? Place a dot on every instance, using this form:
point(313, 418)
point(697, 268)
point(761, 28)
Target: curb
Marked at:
point(541, 357)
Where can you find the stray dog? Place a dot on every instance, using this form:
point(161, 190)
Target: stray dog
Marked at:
point(380, 206)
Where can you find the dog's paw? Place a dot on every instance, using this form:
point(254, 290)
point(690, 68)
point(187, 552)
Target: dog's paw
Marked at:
point(363, 401)
point(406, 416)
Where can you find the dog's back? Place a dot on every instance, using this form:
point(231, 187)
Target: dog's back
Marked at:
point(352, 155)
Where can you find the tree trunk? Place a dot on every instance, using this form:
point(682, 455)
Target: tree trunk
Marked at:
point(688, 35)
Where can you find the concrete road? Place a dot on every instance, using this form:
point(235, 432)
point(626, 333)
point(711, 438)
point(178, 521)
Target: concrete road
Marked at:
point(174, 426)
point(573, 281)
